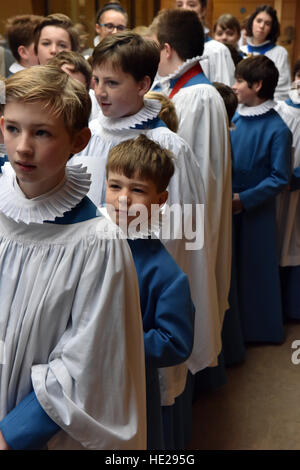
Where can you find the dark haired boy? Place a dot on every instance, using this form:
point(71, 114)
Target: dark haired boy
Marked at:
point(203, 124)
point(216, 62)
point(20, 34)
point(261, 159)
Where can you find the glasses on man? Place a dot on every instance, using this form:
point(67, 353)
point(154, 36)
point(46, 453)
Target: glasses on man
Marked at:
point(111, 26)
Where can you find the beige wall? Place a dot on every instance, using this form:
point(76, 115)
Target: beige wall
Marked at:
point(141, 12)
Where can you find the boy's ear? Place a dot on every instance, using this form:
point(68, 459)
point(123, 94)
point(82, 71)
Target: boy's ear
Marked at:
point(2, 124)
point(22, 51)
point(163, 197)
point(256, 86)
point(168, 50)
point(80, 140)
point(97, 28)
point(144, 85)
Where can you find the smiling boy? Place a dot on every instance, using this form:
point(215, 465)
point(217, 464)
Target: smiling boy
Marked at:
point(138, 173)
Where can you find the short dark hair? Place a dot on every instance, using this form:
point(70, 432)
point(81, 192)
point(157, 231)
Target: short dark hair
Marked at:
point(20, 32)
point(80, 64)
point(135, 55)
point(256, 68)
point(275, 28)
point(183, 30)
point(111, 6)
point(229, 98)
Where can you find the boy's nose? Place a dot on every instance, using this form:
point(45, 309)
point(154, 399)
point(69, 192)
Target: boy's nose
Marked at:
point(24, 145)
point(53, 49)
point(124, 200)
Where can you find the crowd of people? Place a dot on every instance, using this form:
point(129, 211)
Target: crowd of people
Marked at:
point(149, 220)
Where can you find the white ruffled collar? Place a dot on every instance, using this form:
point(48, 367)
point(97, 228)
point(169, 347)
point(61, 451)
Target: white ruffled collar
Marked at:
point(262, 108)
point(181, 69)
point(61, 199)
point(149, 111)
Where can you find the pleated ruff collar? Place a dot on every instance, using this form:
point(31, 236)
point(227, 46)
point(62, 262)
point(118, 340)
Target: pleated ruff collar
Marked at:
point(180, 71)
point(256, 110)
point(149, 112)
point(55, 203)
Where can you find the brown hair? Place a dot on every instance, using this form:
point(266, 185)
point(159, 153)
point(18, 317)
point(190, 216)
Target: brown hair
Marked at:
point(59, 93)
point(229, 98)
point(183, 30)
point(60, 21)
point(20, 31)
point(142, 156)
point(80, 64)
point(228, 21)
point(135, 55)
point(256, 68)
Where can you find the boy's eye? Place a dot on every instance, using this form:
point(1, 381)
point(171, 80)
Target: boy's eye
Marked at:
point(138, 190)
point(112, 83)
point(42, 133)
point(11, 129)
point(114, 186)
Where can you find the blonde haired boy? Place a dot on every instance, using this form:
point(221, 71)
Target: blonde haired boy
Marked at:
point(72, 377)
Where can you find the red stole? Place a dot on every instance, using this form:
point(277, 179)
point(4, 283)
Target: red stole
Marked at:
point(192, 72)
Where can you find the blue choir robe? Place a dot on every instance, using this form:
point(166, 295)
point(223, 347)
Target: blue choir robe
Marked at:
point(168, 322)
point(261, 159)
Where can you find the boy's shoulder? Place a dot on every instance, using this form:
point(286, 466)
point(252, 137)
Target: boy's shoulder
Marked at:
point(150, 255)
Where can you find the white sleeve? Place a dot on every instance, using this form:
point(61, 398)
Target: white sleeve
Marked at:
point(218, 66)
point(280, 57)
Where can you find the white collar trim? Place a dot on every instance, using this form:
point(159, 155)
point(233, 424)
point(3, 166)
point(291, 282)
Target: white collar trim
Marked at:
point(149, 111)
point(256, 110)
point(66, 195)
point(249, 41)
point(181, 69)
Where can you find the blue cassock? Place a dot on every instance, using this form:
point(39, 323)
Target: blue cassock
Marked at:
point(261, 162)
point(168, 321)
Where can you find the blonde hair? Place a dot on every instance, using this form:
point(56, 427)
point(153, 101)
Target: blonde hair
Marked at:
point(59, 93)
point(168, 112)
point(144, 157)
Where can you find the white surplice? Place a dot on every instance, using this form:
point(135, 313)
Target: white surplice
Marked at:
point(186, 187)
point(70, 323)
point(288, 203)
point(203, 124)
point(217, 63)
